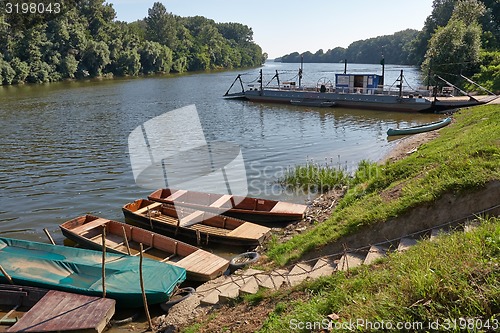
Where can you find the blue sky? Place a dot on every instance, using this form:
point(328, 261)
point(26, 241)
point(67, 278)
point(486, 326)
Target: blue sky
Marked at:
point(281, 27)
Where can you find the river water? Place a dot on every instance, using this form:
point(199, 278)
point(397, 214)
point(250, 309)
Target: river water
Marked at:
point(64, 146)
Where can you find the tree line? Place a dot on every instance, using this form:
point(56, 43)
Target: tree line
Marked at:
point(459, 37)
point(85, 40)
point(368, 51)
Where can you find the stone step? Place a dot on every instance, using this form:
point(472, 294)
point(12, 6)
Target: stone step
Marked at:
point(207, 287)
point(405, 244)
point(210, 292)
point(298, 274)
point(229, 290)
point(435, 233)
point(375, 252)
point(323, 267)
point(471, 225)
point(252, 286)
point(274, 279)
point(350, 260)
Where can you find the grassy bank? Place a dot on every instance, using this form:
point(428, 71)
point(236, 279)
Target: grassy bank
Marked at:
point(464, 157)
point(454, 280)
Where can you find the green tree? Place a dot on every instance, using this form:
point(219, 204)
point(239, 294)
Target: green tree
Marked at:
point(7, 74)
point(161, 26)
point(128, 63)
point(69, 66)
point(489, 74)
point(22, 70)
point(95, 57)
point(455, 48)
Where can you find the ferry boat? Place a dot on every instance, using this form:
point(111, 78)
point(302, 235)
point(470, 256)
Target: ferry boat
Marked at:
point(359, 91)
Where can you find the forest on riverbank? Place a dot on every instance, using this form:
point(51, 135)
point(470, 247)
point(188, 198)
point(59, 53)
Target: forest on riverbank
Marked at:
point(83, 39)
point(459, 37)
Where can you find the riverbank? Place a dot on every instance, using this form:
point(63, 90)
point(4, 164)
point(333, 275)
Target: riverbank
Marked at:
point(457, 161)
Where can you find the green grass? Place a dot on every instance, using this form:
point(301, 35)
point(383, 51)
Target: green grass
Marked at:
point(465, 156)
point(456, 276)
point(315, 177)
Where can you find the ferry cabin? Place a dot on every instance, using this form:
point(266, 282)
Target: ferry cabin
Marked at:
point(358, 83)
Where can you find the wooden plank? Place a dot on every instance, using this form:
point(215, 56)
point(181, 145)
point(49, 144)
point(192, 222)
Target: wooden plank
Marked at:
point(148, 207)
point(250, 231)
point(61, 311)
point(175, 195)
point(90, 225)
point(288, 208)
point(201, 227)
point(221, 201)
point(192, 218)
point(202, 261)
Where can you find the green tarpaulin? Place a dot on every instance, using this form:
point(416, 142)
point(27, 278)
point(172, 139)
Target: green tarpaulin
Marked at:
point(80, 271)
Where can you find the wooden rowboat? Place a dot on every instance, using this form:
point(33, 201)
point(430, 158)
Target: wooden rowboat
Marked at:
point(46, 310)
point(207, 228)
point(80, 271)
point(420, 128)
point(121, 238)
point(262, 211)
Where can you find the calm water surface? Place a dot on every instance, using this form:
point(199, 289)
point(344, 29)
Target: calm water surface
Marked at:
point(64, 145)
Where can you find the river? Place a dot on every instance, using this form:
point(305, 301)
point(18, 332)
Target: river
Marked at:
point(64, 146)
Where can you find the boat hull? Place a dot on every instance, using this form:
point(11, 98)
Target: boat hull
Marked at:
point(347, 100)
point(420, 128)
point(200, 265)
point(80, 271)
point(261, 211)
point(214, 229)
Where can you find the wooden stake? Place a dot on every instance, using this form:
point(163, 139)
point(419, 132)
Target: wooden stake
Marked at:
point(144, 299)
point(126, 241)
point(6, 275)
point(49, 236)
point(104, 262)
point(150, 222)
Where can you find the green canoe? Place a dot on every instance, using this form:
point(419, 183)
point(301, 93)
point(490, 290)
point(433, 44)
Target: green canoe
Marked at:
point(419, 128)
point(80, 271)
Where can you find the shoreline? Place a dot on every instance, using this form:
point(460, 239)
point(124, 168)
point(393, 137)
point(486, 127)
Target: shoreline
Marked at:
point(407, 146)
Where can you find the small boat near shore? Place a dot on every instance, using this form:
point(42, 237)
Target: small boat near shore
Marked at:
point(261, 211)
point(46, 310)
point(195, 226)
point(122, 238)
point(79, 271)
point(419, 128)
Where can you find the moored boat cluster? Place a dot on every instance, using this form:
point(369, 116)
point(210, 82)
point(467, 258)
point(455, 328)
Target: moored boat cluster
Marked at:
point(160, 246)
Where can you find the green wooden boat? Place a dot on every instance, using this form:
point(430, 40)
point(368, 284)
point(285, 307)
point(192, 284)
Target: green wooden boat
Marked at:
point(419, 128)
point(80, 271)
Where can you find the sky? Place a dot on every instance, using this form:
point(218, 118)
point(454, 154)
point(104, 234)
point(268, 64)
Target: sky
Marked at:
point(284, 26)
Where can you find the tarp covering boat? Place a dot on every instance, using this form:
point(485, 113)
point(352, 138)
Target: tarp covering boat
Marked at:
point(80, 271)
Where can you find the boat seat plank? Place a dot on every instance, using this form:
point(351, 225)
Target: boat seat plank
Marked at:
point(249, 230)
point(288, 208)
point(112, 240)
point(199, 226)
point(61, 312)
point(221, 201)
point(202, 262)
point(149, 207)
point(91, 225)
point(175, 195)
point(191, 218)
